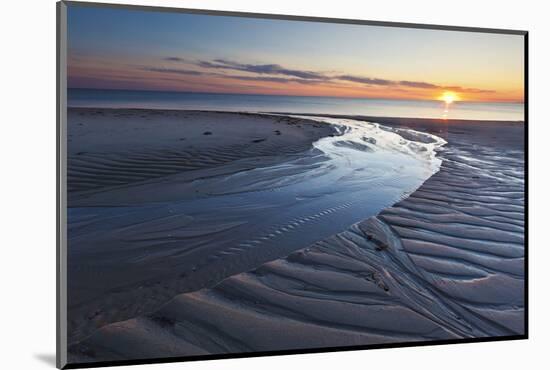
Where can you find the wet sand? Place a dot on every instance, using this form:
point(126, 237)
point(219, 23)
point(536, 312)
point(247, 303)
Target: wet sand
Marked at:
point(444, 262)
point(133, 238)
point(114, 148)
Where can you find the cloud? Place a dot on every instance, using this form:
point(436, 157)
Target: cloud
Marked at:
point(174, 59)
point(273, 79)
point(187, 72)
point(418, 85)
point(272, 69)
point(271, 72)
point(468, 90)
point(366, 80)
point(412, 84)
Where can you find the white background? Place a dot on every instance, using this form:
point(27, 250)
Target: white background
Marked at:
point(27, 206)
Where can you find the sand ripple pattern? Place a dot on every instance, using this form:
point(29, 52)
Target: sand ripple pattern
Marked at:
point(95, 171)
point(445, 263)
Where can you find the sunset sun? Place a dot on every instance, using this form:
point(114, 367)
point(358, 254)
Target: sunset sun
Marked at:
point(449, 97)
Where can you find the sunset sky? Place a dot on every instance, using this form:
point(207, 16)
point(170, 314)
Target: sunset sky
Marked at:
point(137, 50)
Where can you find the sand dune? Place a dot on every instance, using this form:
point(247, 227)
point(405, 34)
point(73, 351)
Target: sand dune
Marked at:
point(445, 262)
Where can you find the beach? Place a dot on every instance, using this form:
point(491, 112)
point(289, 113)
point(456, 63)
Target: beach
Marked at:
point(214, 232)
point(143, 144)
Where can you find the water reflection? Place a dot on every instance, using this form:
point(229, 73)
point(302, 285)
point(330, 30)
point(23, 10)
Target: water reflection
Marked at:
point(446, 108)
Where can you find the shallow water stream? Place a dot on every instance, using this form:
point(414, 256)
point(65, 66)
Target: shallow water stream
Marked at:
point(126, 260)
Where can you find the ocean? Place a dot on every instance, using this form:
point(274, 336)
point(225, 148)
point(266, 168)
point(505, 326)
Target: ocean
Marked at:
point(294, 104)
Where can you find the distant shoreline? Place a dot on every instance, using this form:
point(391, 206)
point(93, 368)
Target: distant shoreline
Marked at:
point(372, 107)
point(390, 120)
point(401, 120)
point(288, 96)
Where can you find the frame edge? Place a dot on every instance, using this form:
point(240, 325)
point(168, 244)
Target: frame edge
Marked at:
point(61, 199)
point(294, 17)
point(61, 113)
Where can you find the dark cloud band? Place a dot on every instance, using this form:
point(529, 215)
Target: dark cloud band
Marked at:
point(301, 76)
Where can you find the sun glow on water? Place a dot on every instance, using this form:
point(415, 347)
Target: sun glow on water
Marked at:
point(448, 97)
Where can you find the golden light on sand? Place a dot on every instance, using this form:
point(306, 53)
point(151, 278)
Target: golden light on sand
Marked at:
point(448, 97)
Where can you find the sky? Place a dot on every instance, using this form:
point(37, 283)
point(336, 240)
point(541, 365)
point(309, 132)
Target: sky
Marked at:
point(147, 50)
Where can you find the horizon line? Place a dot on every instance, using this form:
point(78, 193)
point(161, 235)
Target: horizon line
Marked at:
point(300, 96)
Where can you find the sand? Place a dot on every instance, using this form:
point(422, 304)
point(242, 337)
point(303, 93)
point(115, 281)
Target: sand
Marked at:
point(109, 148)
point(129, 174)
point(445, 261)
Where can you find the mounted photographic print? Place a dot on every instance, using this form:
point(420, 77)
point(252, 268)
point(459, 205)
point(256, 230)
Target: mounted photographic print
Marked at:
point(235, 184)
